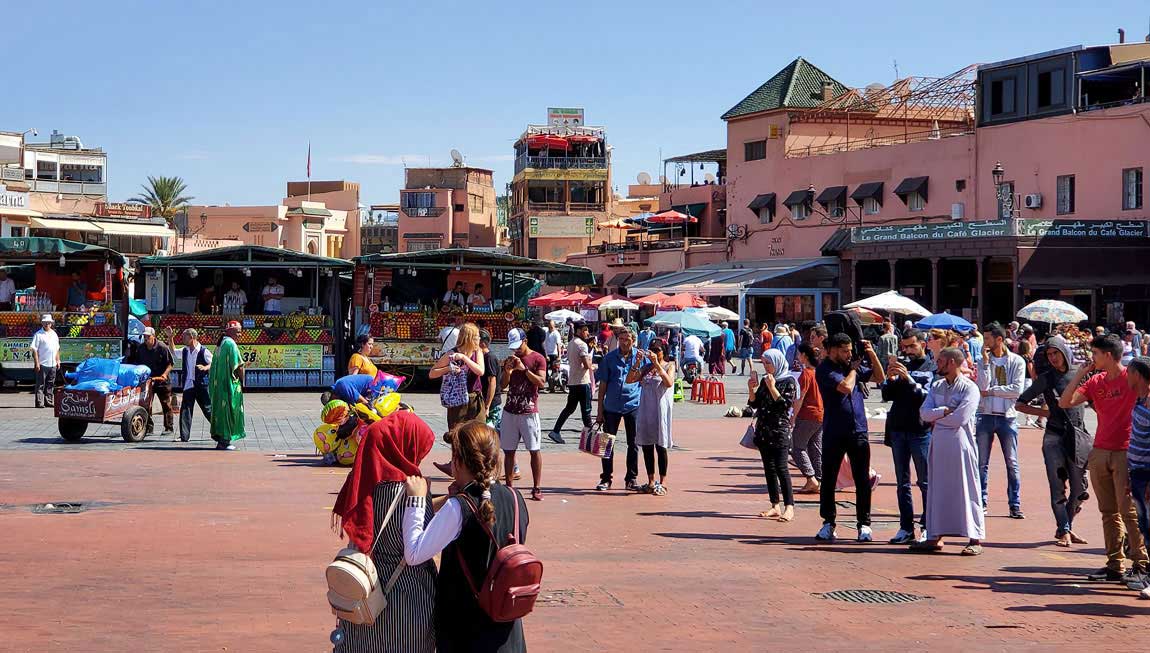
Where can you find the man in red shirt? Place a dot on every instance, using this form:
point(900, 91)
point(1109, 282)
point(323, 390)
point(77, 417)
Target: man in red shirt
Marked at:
point(1113, 400)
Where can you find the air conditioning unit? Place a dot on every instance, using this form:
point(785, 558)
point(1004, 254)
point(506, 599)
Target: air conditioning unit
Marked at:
point(1033, 201)
point(957, 211)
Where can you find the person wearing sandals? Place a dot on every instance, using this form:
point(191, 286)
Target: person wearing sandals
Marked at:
point(391, 451)
point(1066, 443)
point(954, 499)
point(772, 400)
point(656, 377)
point(462, 529)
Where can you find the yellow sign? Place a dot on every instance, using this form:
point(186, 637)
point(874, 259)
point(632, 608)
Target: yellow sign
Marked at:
point(404, 353)
point(559, 174)
point(272, 357)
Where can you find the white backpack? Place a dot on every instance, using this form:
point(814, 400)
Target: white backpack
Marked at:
point(353, 588)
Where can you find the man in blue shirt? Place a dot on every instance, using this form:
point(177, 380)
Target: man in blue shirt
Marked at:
point(842, 385)
point(353, 388)
point(645, 338)
point(1138, 456)
point(618, 402)
point(729, 345)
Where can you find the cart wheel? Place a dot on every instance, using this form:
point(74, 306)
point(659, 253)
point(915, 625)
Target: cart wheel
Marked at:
point(134, 424)
point(72, 429)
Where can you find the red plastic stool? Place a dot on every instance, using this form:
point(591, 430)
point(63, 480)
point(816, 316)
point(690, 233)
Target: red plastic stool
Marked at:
point(698, 389)
point(714, 390)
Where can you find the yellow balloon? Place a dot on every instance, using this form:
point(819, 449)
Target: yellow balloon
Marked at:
point(387, 404)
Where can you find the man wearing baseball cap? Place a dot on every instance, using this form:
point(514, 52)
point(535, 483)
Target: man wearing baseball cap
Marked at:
point(46, 360)
point(524, 372)
point(225, 386)
point(158, 358)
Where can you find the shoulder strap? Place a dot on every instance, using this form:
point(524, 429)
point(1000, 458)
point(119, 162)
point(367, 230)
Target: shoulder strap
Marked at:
point(514, 537)
point(390, 510)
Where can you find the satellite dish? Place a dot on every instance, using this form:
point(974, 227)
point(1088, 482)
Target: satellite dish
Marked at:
point(710, 176)
point(456, 159)
point(643, 179)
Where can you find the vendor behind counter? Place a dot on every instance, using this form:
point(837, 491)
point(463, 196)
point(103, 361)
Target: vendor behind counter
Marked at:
point(230, 292)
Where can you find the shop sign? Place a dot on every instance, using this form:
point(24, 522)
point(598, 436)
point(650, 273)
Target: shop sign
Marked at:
point(565, 117)
point(404, 353)
point(72, 350)
point(948, 231)
point(260, 227)
point(1084, 228)
point(10, 199)
point(273, 357)
point(560, 226)
point(560, 174)
point(123, 210)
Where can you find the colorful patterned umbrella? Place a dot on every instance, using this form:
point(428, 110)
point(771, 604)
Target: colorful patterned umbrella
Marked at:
point(1052, 311)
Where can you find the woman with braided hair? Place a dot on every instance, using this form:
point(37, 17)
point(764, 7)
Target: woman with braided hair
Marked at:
point(459, 530)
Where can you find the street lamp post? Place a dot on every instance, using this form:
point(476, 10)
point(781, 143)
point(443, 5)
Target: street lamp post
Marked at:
point(1003, 192)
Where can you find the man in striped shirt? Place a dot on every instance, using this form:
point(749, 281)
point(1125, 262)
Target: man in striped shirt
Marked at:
point(1138, 455)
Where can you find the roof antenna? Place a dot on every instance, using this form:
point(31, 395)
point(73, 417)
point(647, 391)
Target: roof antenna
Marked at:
point(895, 63)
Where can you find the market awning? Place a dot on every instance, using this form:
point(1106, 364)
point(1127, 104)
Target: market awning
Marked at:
point(766, 200)
point(693, 210)
point(639, 277)
point(247, 256)
point(840, 240)
point(619, 279)
point(725, 279)
point(912, 185)
point(1071, 268)
point(477, 258)
point(35, 247)
point(871, 190)
point(797, 197)
point(132, 229)
point(22, 213)
point(311, 211)
point(62, 225)
point(832, 194)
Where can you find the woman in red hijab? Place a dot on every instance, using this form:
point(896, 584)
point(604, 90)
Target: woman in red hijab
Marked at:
point(391, 450)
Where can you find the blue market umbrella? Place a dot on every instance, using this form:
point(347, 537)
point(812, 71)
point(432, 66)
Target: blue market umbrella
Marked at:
point(689, 322)
point(944, 321)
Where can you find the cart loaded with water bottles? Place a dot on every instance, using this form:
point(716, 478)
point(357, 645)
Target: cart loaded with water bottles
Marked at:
point(104, 391)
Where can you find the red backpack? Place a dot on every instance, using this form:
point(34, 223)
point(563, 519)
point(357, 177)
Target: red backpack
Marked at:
point(512, 583)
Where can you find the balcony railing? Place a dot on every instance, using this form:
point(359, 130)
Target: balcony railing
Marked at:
point(882, 141)
point(67, 187)
point(654, 245)
point(560, 206)
point(560, 162)
point(423, 211)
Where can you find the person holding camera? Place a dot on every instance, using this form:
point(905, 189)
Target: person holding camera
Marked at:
point(524, 373)
point(907, 435)
point(841, 379)
point(655, 376)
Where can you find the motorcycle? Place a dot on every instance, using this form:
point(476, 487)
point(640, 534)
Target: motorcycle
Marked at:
point(558, 373)
point(691, 371)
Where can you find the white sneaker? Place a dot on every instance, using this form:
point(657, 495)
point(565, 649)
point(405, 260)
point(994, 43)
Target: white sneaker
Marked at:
point(1144, 594)
point(826, 533)
point(922, 537)
point(902, 537)
point(865, 534)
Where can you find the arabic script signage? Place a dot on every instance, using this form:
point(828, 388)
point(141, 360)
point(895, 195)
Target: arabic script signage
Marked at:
point(1084, 228)
point(950, 230)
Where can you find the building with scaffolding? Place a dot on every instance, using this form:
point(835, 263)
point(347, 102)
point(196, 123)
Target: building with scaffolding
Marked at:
point(562, 187)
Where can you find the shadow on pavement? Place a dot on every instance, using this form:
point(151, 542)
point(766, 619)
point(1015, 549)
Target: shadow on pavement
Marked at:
point(1119, 611)
point(698, 514)
point(1030, 585)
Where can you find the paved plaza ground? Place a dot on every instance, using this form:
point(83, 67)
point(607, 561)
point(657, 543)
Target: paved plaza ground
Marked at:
point(188, 549)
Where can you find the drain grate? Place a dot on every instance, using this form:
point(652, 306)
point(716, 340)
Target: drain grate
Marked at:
point(871, 596)
point(59, 508)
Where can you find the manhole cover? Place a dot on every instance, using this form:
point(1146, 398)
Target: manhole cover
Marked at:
point(59, 508)
point(872, 596)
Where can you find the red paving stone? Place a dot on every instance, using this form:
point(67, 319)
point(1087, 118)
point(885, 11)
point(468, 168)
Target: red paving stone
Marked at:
point(207, 551)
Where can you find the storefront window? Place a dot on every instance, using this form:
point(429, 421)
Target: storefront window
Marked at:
point(793, 309)
point(830, 302)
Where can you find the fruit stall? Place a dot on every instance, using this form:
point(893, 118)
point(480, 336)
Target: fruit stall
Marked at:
point(81, 286)
point(299, 345)
point(402, 299)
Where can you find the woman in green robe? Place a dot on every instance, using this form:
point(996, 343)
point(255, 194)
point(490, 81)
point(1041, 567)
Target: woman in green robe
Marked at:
point(225, 386)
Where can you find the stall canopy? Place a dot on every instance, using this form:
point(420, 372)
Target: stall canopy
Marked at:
point(246, 256)
point(28, 249)
point(730, 279)
point(555, 274)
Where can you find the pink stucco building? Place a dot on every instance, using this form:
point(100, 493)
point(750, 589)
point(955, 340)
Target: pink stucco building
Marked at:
point(976, 193)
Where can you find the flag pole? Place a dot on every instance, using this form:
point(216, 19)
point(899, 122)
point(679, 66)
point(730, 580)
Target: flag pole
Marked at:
point(309, 171)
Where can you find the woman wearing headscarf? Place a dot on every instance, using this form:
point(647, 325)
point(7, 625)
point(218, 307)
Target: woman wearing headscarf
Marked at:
point(772, 400)
point(1065, 444)
point(391, 450)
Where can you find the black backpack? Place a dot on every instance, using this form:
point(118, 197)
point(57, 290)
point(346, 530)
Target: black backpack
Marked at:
point(848, 323)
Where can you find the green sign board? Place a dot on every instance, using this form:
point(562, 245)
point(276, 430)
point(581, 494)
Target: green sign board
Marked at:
point(930, 232)
point(72, 350)
point(1084, 228)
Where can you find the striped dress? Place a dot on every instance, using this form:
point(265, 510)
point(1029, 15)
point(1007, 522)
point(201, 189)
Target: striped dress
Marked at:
point(407, 624)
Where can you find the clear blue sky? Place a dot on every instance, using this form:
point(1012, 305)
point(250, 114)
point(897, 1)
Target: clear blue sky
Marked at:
point(228, 94)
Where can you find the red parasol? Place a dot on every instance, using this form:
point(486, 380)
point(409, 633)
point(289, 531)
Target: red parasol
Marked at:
point(866, 316)
point(652, 300)
point(606, 298)
point(683, 300)
point(546, 301)
point(548, 142)
point(574, 299)
point(671, 217)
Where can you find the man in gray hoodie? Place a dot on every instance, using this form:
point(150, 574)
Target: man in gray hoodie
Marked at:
point(1000, 377)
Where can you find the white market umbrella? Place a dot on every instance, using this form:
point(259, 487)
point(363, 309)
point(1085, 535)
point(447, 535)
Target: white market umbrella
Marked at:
point(893, 302)
point(562, 315)
point(719, 313)
point(1051, 311)
point(618, 305)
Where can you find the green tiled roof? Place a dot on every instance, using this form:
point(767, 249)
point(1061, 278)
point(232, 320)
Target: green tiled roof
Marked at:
point(798, 86)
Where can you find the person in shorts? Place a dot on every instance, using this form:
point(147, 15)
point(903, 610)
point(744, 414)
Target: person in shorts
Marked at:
point(524, 373)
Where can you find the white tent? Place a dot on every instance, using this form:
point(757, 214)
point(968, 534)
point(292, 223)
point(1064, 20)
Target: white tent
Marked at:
point(618, 305)
point(720, 313)
point(562, 315)
point(893, 302)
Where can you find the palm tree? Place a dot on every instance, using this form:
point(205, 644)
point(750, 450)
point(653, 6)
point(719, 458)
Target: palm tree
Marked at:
point(166, 197)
